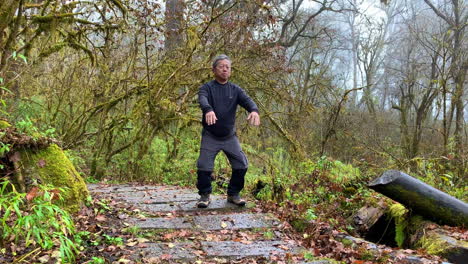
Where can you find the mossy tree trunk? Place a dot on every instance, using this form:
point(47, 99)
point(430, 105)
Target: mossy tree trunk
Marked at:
point(51, 166)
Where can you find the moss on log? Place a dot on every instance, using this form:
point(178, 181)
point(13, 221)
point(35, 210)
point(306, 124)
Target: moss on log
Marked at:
point(437, 243)
point(51, 166)
point(399, 214)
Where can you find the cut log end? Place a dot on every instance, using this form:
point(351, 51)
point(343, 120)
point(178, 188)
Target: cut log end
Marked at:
point(387, 177)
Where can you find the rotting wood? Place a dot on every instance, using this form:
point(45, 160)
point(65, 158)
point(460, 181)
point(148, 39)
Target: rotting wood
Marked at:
point(367, 216)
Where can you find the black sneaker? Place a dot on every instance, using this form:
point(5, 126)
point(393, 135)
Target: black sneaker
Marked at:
point(236, 199)
point(204, 201)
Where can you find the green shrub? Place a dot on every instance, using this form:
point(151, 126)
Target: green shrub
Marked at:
point(343, 173)
point(38, 222)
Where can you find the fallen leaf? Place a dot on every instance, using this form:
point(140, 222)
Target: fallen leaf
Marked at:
point(123, 216)
point(283, 247)
point(198, 252)
point(44, 259)
point(223, 224)
point(211, 237)
point(56, 254)
point(101, 218)
point(166, 256)
point(55, 194)
point(142, 240)
point(170, 245)
point(168, 236)
point(151, 260)
point(218, 260)
point(141, 217)
point(111, 248)
point(32, 193)
point(132, 244)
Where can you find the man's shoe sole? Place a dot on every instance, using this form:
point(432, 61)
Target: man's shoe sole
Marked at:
point(238, 204)
point(203, 205)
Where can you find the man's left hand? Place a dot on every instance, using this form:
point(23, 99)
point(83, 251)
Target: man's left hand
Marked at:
point(254, 118)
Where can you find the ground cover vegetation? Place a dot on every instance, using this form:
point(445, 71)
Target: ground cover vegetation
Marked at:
point(346, 90)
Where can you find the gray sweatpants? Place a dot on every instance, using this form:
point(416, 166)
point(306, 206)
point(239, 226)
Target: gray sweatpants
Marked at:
point(211, 146)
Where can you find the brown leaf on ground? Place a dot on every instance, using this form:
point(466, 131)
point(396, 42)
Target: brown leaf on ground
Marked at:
point(101, 218)
point(169, 235)
point(55, 194)
point(211, 237)
point(44, 259)
point(166, 256)
point(283, 247)
point(246, 242)
point(183, 233)
point(132, 244)
point(123, 216)
point(111, 248)
point(32, 193)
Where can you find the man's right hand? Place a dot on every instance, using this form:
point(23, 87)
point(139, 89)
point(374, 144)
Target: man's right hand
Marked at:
point(210, 118)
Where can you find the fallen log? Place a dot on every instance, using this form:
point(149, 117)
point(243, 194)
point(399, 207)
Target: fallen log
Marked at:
point(367, 216)
point(422, 198)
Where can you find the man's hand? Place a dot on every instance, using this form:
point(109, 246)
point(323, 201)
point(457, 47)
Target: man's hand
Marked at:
point(210, 118)
point(254, 118)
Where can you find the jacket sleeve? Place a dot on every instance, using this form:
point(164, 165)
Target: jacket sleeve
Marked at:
point(245, 101)
point(203, 99)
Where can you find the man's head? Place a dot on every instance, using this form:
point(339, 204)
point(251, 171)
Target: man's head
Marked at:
point(222, 68)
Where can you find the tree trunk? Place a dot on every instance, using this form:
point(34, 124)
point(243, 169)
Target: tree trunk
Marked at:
point(174, 24)
point(422, 198)
point(7, 12)
point(459, 72)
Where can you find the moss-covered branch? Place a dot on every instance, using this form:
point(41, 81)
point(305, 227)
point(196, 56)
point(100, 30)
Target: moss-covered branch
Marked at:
point(52, 17)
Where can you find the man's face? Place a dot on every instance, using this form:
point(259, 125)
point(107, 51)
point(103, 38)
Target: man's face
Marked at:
point(222, 71)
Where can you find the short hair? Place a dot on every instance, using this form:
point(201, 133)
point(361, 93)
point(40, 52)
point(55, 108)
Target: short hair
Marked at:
point(220, 58)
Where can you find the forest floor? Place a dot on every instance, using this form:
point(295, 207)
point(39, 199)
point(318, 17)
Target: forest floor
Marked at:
point(161, 224)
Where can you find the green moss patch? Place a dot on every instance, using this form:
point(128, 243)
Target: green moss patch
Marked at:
point(399, 213)
point(51, 166)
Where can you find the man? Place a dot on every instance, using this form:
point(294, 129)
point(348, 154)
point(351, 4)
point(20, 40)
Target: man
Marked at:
point(218, 101)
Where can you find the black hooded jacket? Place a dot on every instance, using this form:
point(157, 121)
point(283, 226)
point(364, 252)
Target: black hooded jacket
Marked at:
point(223, 100)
